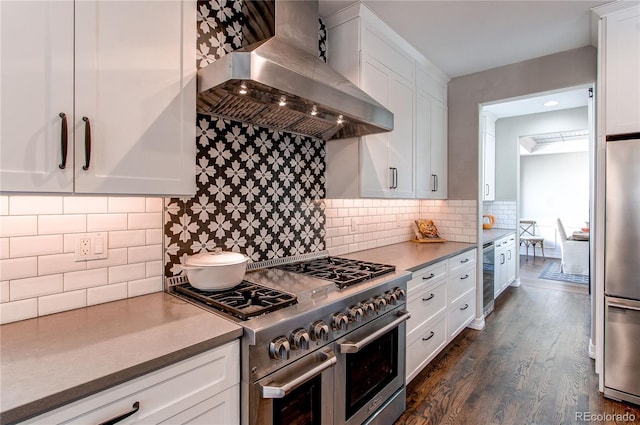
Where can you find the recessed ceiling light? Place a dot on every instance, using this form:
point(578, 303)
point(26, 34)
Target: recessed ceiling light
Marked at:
point(551, 103)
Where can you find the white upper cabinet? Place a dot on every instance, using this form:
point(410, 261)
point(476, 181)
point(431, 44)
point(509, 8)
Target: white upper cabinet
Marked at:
point(403, 162)
point(621, 55)
point(489, 160)
point(129, 100)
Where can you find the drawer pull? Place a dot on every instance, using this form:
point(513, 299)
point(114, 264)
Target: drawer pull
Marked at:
point(429, 337)
point(431, 276)
point(466, 260)
point(466, 306)
point(134, 409)
point(466, 276)
point(428, 298)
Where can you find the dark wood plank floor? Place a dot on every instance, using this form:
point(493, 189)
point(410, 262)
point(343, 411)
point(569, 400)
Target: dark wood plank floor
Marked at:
point(528, 366)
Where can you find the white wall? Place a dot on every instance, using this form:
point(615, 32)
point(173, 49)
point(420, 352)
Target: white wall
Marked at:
point(553, 186)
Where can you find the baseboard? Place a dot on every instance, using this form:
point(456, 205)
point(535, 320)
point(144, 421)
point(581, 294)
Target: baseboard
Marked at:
point(592, 349)
point(516, 283)
point(477, 324)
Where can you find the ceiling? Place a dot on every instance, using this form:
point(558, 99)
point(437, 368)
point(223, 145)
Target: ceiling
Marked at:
point(463, 37)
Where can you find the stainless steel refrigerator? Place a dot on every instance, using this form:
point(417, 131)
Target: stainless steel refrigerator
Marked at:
point(622, 268)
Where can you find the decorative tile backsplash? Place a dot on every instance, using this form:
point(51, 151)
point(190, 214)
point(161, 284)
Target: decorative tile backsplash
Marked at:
point(256, 194)
point(38, 274)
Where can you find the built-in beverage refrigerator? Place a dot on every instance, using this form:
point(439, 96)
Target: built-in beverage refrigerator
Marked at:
point(622, 268)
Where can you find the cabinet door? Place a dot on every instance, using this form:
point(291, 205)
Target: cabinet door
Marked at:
point(489, 167)
point(135, 82)
point(500, 269)
point(511, 260)
point(622, 85)
point(36, 86)
point(375, 176)
point(401, 139)
point(438, 149)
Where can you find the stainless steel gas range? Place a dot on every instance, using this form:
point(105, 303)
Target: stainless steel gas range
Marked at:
point(323, 342)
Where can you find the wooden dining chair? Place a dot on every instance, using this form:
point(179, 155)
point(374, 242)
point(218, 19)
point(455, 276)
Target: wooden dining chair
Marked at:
point(529, 238)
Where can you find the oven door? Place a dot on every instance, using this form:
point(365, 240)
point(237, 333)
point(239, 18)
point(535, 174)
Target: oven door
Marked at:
point(299, 393)
point(370, 374)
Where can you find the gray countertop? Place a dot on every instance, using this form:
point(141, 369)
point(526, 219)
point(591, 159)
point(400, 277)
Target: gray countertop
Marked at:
point(489, 235)
point(411, 256)
point(52, 360)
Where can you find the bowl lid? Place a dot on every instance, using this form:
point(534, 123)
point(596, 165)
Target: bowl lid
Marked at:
point(215, 258)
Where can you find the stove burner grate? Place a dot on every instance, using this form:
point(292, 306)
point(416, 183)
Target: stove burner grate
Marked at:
point(243, 301)
point(343, 271)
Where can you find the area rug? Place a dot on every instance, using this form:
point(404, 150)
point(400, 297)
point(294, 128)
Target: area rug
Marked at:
point(552, 272)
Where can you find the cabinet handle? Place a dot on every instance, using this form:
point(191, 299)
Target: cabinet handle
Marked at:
point(509, 252)
point(466, 306)
point(431, 276)
point(87, 143)
point(435, 182)
point(466, 260)
point(486, 191)
point(429, 337)
point(502, 258)
point(466, 276)
point(64, 141)
point(428, 298)
point(135, 408)
point(394, 178)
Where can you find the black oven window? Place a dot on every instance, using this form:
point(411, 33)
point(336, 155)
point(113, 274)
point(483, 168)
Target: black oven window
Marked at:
point(370, 370)
point(301, 406)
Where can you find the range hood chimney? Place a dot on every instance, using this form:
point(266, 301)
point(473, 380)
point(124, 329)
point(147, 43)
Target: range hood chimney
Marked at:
point(277, 79)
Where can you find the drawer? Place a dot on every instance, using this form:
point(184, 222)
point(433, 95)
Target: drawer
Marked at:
point(425, 304)
point(424, 346)
point(427, 275)
point(461, 313)
point(462, 260)
point(460, 282)
point(163, 394)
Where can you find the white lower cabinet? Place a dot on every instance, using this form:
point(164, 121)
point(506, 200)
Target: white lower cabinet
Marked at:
point(505, 263)
point(203, 389)
point(441, 300)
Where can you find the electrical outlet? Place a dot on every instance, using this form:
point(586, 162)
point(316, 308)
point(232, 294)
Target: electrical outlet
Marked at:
point(90, 246)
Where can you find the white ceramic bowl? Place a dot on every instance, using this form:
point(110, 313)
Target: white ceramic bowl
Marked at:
point(214, 271)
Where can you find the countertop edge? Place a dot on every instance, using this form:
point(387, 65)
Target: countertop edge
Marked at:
point(62, 398)
point(442, 258)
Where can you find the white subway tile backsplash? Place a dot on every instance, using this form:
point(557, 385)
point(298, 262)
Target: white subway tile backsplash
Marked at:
point(139, 254)
point(154, 268)
point(153, 205)
point(107, 293)
point(145, 220)
point(17, 268)
point(59, 263)
point(144, 286)
point(29, 246)
point(18, 310)
point(127, 238)
point(33, 287)
point(115, 257)
point(4, 248)
point(54, 224)
point(4, 291)
point(85, 279)
point(4, 205)
point(106, 222)
point(19, 226)
point(32, 205)
point(61, 302)
point(126, 204)
point(154, 236)
point(127, 272)
point(85, 204)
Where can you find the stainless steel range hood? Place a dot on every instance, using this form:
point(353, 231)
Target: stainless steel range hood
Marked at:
point(281, 66)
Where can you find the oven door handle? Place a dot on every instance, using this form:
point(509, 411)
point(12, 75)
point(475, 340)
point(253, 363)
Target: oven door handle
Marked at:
point(354, 347)
point(269, 391)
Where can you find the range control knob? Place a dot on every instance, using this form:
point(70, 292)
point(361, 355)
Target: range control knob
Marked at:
point(279, 348)
point(368, 308)
point(355, 313)
point(380, 303)
point(300, 339)
point(391, 297)
point(400, 293)
point(340, 321)
point(319, 331)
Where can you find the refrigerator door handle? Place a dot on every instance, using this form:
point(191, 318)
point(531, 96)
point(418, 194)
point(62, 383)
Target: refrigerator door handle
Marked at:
point(623, 305)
